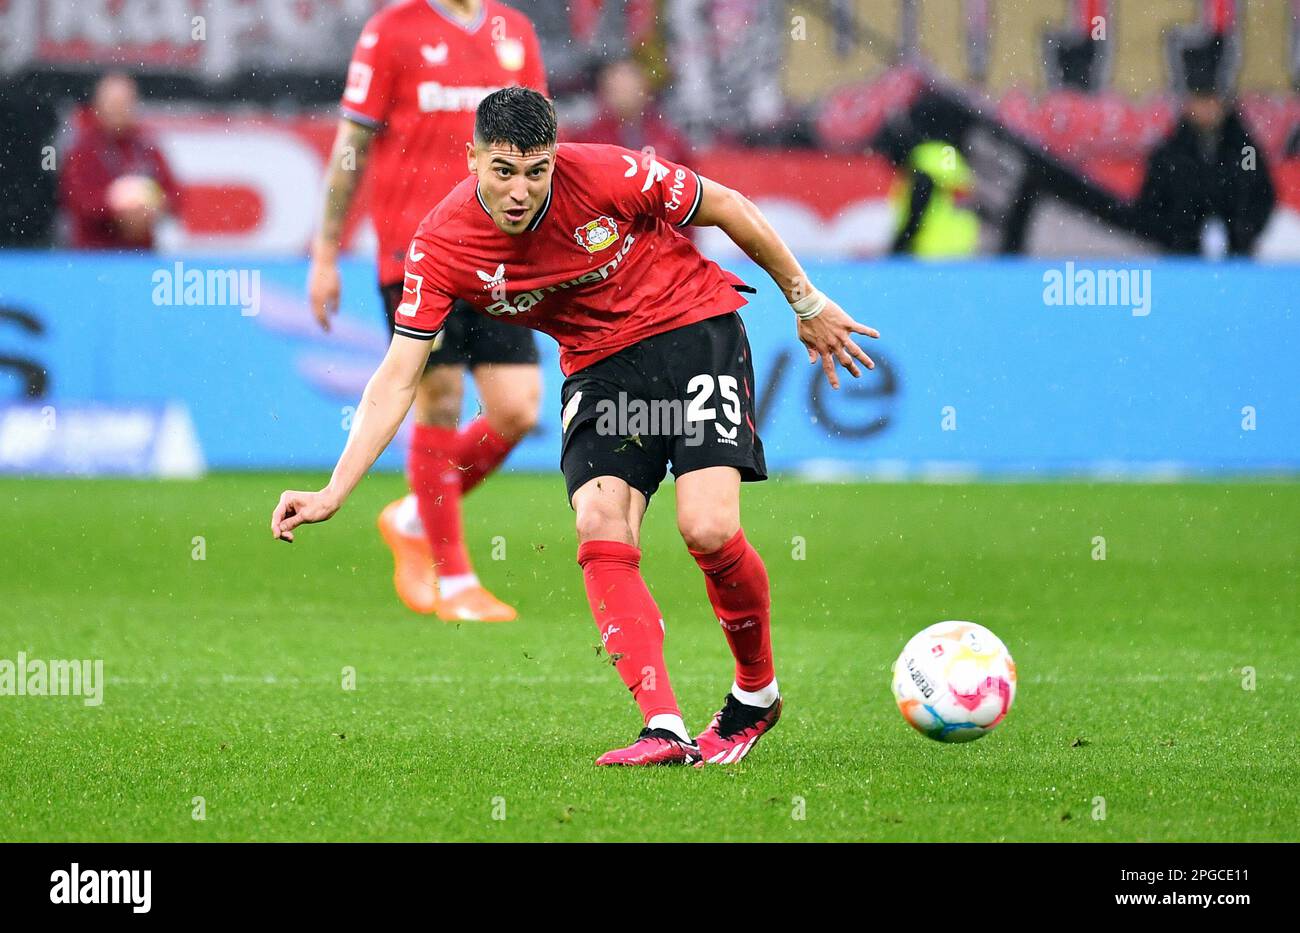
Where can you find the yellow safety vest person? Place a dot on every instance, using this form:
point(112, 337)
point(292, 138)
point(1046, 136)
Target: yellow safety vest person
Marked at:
point(930, 219)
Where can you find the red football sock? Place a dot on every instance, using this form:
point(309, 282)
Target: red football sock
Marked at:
point(736, 581)
point(431, 471)
point(479, 451)
point(631, 626)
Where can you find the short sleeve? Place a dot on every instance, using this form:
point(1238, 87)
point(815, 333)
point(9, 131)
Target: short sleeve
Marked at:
point(367, 97)
point(425, 305)
point(656, 186)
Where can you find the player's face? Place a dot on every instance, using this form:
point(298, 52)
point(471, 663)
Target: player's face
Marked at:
point(513, 184)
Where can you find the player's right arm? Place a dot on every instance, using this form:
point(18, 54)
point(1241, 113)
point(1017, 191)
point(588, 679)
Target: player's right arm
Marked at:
point(383, 405)
point(426, 302)
point(343, 177)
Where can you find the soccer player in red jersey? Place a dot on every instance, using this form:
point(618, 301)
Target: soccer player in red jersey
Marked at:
point(580, 242)
point(419, 69)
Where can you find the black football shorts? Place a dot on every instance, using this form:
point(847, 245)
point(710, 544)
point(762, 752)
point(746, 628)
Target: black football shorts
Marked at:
point(684, 397)
point(467, 337)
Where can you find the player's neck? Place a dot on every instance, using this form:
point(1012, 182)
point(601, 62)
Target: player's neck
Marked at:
point(464, 12)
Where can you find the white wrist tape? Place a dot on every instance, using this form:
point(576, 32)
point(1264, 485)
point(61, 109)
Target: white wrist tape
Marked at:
point(810, 305)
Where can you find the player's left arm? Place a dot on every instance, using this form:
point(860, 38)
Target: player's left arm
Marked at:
point(823, 326)
point(388, 396)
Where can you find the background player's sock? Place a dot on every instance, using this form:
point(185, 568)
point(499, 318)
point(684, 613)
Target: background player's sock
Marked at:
point(631, 626)
point(407, 517)
point(435, 481)
point(736, 581)
point(452, 585)
point(479, 451)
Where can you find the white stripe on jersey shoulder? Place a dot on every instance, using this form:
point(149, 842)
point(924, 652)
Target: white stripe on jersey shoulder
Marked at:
point(699, 196)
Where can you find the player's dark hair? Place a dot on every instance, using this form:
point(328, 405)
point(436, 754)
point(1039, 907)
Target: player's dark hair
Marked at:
point(518, 117)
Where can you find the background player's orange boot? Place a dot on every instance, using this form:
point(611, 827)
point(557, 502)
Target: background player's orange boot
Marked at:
point(414, 578)
point(475, 605)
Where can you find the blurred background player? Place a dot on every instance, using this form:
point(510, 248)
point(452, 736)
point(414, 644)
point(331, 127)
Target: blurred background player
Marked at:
point(418, 71)
point(115, 185)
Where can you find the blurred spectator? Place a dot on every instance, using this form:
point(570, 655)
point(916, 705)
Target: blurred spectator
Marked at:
point(1207, 187)
point(628, 116)
point(115, 184)
point(1072, 57)
point(577, 36)
point(728, 58)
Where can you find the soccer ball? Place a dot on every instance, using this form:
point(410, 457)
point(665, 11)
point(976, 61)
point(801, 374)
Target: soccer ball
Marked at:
point(954, 682)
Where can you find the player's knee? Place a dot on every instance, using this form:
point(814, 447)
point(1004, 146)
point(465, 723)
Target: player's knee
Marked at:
point(602, 518)
point(706, 532)
point(514, 421)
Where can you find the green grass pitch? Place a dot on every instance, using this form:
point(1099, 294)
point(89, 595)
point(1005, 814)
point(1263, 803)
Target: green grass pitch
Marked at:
point(224, 675)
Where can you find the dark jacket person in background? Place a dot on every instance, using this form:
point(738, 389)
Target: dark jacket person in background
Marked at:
point(115, 184)
point(1207, 188)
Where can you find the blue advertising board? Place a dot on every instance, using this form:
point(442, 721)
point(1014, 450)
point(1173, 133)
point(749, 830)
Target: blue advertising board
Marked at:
point(993, 367)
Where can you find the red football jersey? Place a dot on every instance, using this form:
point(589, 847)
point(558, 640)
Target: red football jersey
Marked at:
point(417, 75)
point(599, 268)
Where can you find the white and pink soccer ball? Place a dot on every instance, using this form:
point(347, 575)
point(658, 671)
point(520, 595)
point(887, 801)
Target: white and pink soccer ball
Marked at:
point(954, 682)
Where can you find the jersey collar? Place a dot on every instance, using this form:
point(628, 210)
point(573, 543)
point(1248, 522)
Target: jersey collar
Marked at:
point(470, 27)
point(537, 218)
